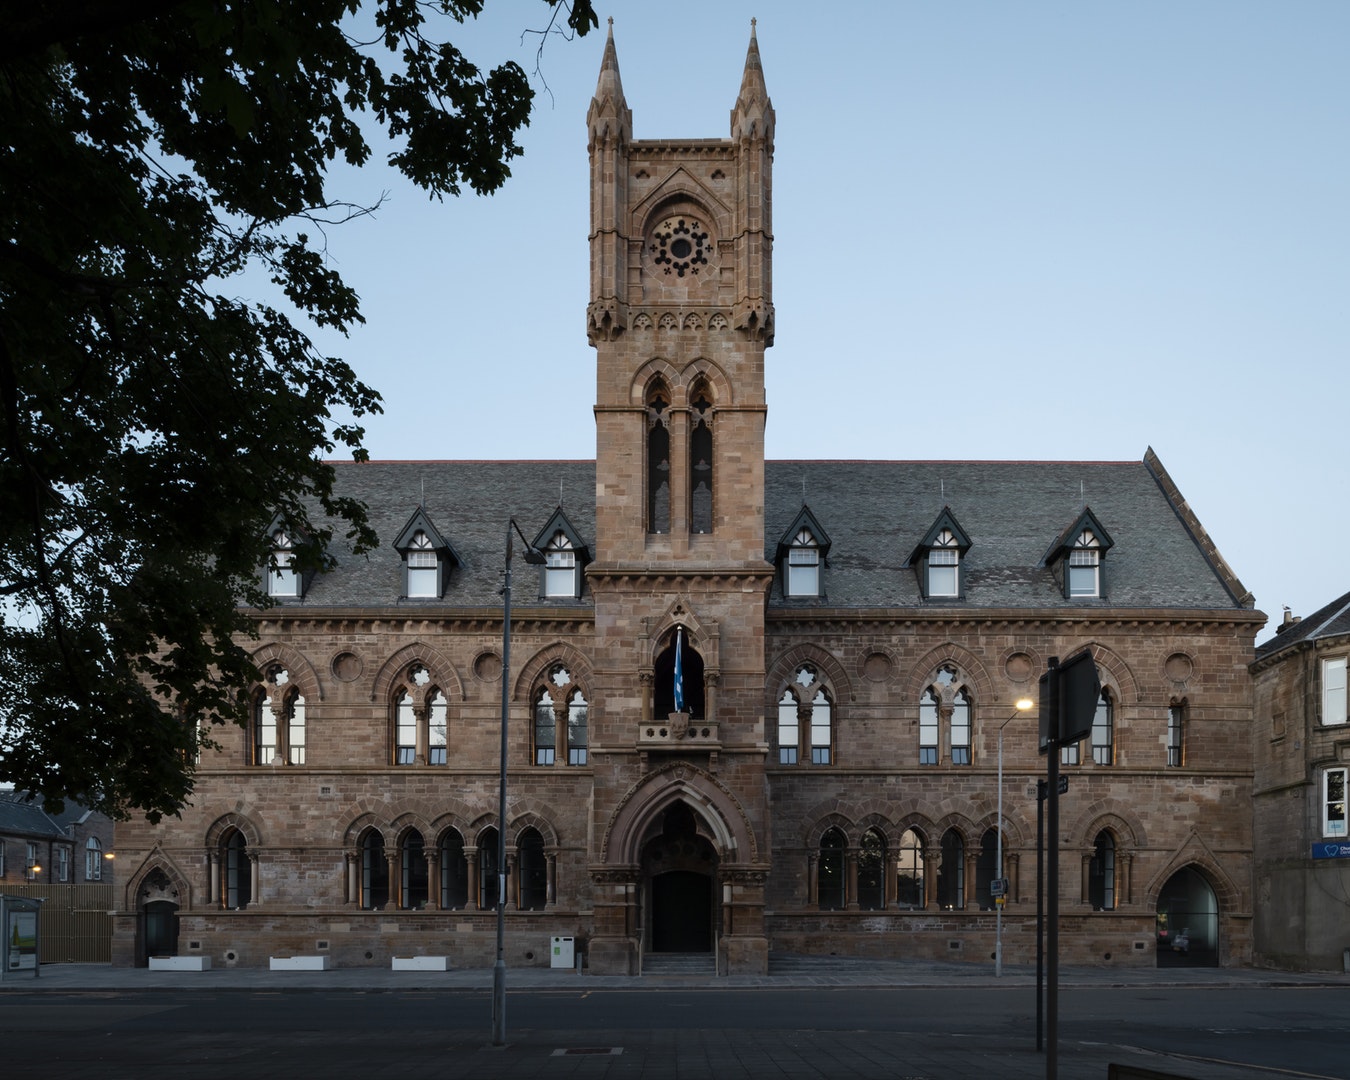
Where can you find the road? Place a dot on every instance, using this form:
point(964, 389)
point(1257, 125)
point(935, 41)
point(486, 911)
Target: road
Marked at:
point(899, 1034)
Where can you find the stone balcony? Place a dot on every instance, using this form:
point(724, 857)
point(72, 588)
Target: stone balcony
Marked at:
point(680, 734)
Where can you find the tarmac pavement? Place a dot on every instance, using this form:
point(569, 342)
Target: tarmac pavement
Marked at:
point(729, 1054)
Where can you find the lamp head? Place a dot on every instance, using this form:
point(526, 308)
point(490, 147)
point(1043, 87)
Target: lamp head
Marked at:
point(1023, 704)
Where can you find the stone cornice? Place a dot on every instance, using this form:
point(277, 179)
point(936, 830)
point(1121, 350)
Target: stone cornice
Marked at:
point(1079, 617)
point(417, 620)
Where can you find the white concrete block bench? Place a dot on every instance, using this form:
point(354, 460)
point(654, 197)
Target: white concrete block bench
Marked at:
point(298, 963)
point(180, 963)
point(421, 963)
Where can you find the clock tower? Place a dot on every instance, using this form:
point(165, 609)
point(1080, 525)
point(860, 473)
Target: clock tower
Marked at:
point(680, 315)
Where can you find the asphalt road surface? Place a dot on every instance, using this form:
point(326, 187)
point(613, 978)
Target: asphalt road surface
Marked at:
point(899, 1034)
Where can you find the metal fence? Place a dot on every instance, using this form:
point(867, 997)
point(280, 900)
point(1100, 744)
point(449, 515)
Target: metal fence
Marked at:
point(75, 926)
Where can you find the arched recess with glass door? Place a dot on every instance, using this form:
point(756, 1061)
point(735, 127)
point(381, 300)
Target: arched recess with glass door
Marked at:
point(1188, 920)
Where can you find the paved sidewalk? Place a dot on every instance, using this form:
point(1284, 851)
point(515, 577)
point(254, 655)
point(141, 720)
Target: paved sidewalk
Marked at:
point(784, 972)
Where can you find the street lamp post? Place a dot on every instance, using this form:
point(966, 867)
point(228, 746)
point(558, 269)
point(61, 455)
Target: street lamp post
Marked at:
point(535, 557)
point(1023, 704)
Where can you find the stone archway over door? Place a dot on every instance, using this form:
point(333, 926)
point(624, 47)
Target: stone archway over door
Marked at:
point(1188, 921)
point(679, 870)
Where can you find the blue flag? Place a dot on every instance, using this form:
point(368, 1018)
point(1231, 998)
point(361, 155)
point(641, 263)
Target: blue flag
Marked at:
point(679, 671)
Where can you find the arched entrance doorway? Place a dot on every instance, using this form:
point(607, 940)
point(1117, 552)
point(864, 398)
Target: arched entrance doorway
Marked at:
point(159, 932)
point(1188, 921)
point(679, 869)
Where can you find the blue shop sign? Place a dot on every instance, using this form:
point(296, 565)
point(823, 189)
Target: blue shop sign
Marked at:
point(1333, 850)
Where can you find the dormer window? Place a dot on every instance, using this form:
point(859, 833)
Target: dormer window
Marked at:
point(803, 566)
point(803, 551)
point(282, 579)
point(560, 566)
point(427, 558)
point(944, 566)
point(1085, 565)
point(1077, 558)
point(423, 567)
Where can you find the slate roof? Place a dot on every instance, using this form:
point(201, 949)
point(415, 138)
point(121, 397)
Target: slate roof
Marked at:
point(1333, 620)
point(874, 511)
point(19, 818)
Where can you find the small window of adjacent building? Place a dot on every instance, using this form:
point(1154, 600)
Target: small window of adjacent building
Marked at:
point(1333, 802)
point(1084, 565)
point(93, 860)
point(944, 565)
point(62, 863)
point(803, 566)
point(1333, 690)
point(31, 862)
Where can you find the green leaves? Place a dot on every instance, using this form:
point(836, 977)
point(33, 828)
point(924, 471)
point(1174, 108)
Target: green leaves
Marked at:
point(152, 423)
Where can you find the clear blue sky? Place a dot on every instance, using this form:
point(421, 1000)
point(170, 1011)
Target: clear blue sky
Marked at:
point(1003, 230)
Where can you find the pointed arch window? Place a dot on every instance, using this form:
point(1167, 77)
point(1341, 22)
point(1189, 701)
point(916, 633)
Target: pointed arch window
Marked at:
point(830, 871)
point(279, 729)
point(421, 720)
point(872, 871)
point(454, 882)
point(374, 872)
point(658, 459)
point(928, 728)
point(412, 891)
point(405, 730)
point(578, 712)
point(488, 879)
point(806, 708)
point(1176, 735)
point(960, 728)
point(1102, 873)
point(545, 729)
point(238, 884)
point(789, 731)
point(951, 878)
point(701, 461)
point(561, 712)
point(533, 871)
point(909, 871)
point(986, 869)
point(1104, 731)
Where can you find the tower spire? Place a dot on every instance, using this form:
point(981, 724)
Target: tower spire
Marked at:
point(752, 116)
point(609, 115)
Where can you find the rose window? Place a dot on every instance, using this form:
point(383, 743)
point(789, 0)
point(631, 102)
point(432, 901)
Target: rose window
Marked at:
point(680, 246)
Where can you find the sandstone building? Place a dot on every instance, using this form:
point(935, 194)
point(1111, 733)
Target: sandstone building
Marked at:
point(851, 638)
point(1301, 751)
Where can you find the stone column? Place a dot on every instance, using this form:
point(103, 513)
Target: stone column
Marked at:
point(1123, 878)
point(851, 880)
point(433, 858)
point(551, 894)
point(932, 857)
point(255, 881)
point(813, 879)
point(395, 880)
point(474, 901)
point(1086, 879)
point(971, 879)
point(353, 879)
point(213, 877)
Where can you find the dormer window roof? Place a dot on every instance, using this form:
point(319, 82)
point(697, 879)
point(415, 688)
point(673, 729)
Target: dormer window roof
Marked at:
point(938, 557)
point(428, 558)
point(282, 578)
point(565, 554)
point(1077, 556)
point(801, 556)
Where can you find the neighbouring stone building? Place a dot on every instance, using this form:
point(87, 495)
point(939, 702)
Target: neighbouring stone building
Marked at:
point(1301, 750)
point(850, 639)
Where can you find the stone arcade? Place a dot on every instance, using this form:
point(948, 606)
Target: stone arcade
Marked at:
point(847, 662)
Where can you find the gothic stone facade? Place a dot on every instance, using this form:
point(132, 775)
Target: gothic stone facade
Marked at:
point(828, 781)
